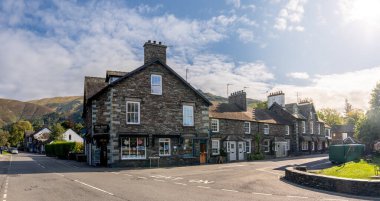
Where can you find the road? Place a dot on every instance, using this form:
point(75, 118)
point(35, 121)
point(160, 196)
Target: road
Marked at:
point(29, 177)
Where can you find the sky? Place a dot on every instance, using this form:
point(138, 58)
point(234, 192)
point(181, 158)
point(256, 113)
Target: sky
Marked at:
point(324, 50)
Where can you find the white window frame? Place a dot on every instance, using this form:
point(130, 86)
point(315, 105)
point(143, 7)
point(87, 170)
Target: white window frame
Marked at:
point(296, 127)
point(164, 141)
point(311, 125)
point(319, 129)
point(344, 136)
point(266, 145)
point(249, 127)
point(228, 145)
point(287, 144)
point(185, 115)
point(215, 150)
point(305, 145)
point(248, 146)
point(312, 146)
point(303, 127)
point(138, 112)
point(328, 134)
point(153, 86)
point(266, 130)
point(133, 158)
point(287, 130)
point(216, 122)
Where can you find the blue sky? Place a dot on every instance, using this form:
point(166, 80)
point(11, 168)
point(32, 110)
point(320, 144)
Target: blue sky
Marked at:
point(324, 50)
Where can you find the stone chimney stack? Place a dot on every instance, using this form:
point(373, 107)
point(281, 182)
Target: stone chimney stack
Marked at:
point(153, 51)
point(239, 98)
point(276, 97)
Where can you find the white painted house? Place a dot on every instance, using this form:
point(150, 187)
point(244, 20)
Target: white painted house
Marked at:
point(72, 136)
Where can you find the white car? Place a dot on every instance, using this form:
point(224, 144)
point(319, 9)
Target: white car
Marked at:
point(14, 150)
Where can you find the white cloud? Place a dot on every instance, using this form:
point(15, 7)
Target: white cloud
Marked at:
point(331, 90)
point(298, 75)
point(235, 3)
point(245, 35)
point(290, 17)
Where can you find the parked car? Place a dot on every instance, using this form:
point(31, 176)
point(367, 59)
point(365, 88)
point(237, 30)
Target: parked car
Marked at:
point(14, 150)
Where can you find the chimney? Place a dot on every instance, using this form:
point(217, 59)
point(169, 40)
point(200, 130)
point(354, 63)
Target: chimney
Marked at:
point(153, 51)
point(276, 97)
point(239, 98)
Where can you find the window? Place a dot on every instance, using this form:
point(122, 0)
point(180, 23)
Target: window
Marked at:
point(305, 145)
point(164, 147)
point(266, 145)
point(287, 130)
point(319, 129)
point(247, 127)
point(266, 129)
point(69, 137)
point(112, 79)
point(248, 146)
point(344, 136)
point(156, 84)
point(215, 146)
point(328, 133)
point(303, 127)
point(287, 144)
point(319, 147)
point(312, 146)
point(187, 147)
point(133, 148)
point(133, 112)
point(296, 127)
point(311, 127)
point(215, 125)
point(228, 146)
point(188, 115)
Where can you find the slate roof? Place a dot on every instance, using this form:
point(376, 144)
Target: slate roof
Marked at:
point(93, 85)
point(267, 116)
point(293, 109)
point(157, 61)
point(348, 128)
point(229, 111)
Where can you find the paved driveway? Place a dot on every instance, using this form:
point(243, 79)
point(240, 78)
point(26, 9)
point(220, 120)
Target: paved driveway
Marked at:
point(34, 177)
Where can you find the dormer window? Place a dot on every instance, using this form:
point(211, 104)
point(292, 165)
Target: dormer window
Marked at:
point(112, 79)
point(156, 84)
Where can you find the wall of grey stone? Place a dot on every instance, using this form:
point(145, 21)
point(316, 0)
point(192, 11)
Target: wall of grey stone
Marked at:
point(335, 184)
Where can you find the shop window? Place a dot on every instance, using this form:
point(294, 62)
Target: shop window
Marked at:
point(188, 147)
point(164, 146)
point(215, 125)
point(215, 146)
point(133, 148)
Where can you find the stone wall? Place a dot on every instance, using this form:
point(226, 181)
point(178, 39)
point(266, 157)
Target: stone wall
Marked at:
point(335, 184)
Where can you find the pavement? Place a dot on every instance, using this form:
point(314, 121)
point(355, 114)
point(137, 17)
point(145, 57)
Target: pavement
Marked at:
point(27, 176)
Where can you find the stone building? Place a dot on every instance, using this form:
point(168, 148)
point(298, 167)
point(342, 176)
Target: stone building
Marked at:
point(343, 134)
point(231, 126)
point(147, 113)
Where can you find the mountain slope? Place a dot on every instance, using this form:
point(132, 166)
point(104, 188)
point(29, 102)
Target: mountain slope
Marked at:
point(14, 110)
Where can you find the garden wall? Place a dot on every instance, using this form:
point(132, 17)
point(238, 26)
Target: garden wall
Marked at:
point(336, 184)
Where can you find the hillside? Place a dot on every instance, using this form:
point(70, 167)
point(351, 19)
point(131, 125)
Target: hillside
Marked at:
point(14, 110)
point(250, 102)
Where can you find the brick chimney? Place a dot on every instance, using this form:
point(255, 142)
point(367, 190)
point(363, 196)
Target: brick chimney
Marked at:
point(239, 98)
point(153, 51)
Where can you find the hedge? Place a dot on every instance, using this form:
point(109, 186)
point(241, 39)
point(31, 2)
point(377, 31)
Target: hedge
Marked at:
point(62, 149)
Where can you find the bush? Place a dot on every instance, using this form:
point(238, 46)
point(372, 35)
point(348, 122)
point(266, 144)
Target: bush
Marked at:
point(63, 149)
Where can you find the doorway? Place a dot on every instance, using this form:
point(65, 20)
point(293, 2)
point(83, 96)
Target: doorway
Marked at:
point(232, 151)
point(103, 153)
point(241, 150)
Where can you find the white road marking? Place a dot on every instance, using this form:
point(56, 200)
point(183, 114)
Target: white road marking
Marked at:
point(295, 196)
point(229, 190)
point(94, 187)
point(231, 166)
point(203, 187)
point(261, 193)
point(201, 181)
point(180, 184)
point(159, 180)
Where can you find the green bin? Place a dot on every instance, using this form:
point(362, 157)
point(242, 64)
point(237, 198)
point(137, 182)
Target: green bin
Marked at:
point(342, 153)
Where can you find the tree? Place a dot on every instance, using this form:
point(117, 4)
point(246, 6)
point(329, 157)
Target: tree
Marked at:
point(375, 97)
point(78, 128)
point(56, 132)
point(4, 135)
point(17, 131)
point(354, 116)
point(347, 107)
point(330, 116)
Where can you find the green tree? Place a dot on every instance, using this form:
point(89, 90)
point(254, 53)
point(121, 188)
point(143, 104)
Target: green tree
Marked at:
point(4, 135)
point(56, 132)
point(354, 116)
point(17, 131)
point(347, 107)
point(78, 128)
point(330, 116)
point(259, 105)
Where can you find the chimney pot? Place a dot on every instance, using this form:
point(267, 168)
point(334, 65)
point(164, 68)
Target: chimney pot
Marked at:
point(159, 43)
point(149, 41)
point(154, 42)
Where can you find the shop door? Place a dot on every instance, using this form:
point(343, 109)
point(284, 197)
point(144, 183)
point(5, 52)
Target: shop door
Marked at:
point(103, 154)
point(241, 150)
point(232, 151)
